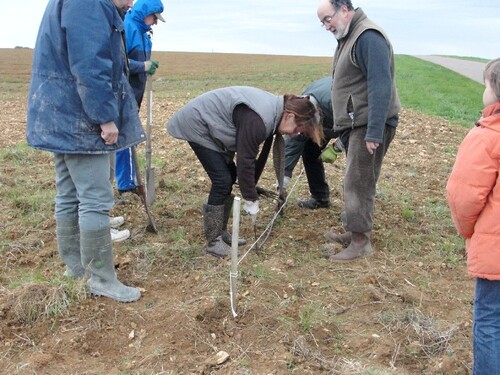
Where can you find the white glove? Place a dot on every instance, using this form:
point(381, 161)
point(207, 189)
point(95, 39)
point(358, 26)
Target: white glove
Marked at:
point(251, 208)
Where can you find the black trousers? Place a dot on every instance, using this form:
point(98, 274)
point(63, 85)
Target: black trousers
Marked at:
point(220, 170)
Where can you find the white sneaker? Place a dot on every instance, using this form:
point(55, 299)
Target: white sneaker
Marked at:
point(116, 221)
point(119, 235)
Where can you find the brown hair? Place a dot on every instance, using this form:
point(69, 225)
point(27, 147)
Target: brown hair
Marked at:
point(307, 116)
point(492, 75)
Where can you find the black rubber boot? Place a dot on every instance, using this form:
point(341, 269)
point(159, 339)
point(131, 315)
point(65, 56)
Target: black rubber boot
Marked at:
point(213, 225)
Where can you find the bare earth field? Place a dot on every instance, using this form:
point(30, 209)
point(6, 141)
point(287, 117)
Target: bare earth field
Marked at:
point(405, 310)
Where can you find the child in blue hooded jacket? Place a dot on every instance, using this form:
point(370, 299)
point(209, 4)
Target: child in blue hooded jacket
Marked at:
point(138, 31)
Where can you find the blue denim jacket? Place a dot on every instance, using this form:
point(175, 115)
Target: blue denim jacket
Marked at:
point(79, 80)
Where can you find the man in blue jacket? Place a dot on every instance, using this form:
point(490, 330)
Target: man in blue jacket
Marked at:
point(138, 30)
point(81, 107)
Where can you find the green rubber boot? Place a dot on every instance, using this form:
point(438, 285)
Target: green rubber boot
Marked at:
point(97, 256)
point(68, 246)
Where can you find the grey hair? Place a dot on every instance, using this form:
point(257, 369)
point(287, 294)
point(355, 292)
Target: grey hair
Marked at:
point(338, 3)
point(492, 75)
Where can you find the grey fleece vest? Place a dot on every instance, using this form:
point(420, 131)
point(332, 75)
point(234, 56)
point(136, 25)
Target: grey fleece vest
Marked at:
point(350, 87)
point(208, 119)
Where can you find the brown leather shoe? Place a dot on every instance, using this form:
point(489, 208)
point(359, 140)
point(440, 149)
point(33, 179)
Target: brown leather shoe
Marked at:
point(344, 239)
point(360, 246)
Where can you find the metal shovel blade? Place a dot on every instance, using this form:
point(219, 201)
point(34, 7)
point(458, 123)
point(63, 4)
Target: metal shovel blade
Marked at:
point(151, 226)
point(150, 185)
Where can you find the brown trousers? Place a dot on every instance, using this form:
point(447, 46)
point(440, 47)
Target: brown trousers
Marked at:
point(360, 180)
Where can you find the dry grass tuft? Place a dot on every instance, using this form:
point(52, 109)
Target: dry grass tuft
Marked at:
point(34, 301)
point(303, 352)
point(424, 338)
point(432, 341)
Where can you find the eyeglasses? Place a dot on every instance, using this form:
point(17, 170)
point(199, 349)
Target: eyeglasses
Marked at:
point(326, 21)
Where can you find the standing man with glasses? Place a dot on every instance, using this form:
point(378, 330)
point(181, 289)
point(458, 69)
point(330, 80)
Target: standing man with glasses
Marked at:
point(365, 110)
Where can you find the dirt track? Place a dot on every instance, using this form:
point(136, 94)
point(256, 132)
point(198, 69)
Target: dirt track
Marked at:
point(470, 69)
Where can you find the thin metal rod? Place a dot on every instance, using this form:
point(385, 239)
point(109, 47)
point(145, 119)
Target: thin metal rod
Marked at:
point(233, 275)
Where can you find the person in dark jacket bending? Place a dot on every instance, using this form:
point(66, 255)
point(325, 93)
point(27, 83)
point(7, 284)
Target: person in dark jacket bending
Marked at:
point(300, 145)
point(365, 110)
point(238, 120)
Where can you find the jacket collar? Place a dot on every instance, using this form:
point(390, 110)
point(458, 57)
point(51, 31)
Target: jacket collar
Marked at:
point(491, 117)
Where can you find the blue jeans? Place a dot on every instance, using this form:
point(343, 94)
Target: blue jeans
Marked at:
point(83, 189)
point(486, 327)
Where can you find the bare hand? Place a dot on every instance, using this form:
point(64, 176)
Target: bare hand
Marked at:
point(109, 133)
point(371, 147)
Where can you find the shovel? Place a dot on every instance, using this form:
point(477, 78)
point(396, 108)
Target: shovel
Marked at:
point(151, 227)
point(150, 172)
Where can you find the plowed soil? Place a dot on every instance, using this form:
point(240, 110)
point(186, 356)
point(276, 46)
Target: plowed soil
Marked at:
point(404, 310)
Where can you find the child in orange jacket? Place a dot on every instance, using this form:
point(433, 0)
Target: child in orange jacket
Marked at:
point(473, 193)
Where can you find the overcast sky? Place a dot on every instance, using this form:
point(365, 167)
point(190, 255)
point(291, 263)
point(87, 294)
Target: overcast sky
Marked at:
point(291, 27)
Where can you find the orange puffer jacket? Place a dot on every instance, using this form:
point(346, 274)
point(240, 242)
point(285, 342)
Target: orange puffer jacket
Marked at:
point(473, 193)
